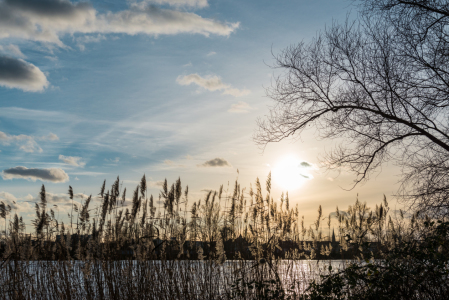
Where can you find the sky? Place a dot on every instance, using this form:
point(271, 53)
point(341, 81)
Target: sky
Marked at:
point(167, 88)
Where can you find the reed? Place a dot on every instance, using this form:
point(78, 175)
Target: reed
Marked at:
point(231, 244)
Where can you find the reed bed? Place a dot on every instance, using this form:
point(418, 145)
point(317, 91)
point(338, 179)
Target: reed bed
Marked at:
point(232, 244)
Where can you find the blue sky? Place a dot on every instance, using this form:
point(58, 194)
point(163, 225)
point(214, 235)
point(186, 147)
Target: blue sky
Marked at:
point(166, 88)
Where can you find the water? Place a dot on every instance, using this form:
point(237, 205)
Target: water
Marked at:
point(195, 277)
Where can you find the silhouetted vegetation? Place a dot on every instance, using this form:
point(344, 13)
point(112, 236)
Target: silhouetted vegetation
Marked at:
point(230, 244)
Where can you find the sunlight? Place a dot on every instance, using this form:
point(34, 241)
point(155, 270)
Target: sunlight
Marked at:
point(290, 173)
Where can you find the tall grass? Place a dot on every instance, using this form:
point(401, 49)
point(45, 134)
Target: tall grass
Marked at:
point(231, 244)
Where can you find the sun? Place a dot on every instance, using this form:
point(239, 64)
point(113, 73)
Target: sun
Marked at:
point(290, 173)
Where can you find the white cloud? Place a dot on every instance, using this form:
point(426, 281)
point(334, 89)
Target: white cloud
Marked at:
point(50, 137)
point(5, 196)
point(211, 53)
point(30, 146)
point(33, 174)
point(47, 20)
point(17, 73)
point(63, 201)
point(82, 40)
point(157, 184)
point(211, 83)
point(16, 203)
point(241, 107)
point(26, 143)
point(72, 160)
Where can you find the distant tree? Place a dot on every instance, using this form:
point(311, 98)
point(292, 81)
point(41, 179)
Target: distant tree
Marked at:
point(380, 84)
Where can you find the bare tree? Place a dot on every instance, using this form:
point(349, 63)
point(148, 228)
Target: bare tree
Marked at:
point(381, 83)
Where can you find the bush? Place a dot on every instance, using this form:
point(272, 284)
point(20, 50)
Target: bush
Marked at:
point(414, 269)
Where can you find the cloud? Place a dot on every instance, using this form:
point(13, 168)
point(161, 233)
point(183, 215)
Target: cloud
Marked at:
point(113, 160)
point(14, 202)
point(216, 162)
point(50, 137)
point(87, 173)
point(211, 53)
point(14, 50)
point(305, 164)
point(52, 174)
point(241, 107)
point(211, 83)
point(30, 146)
point(5, 196)
point(17, 73)
point(172, 163)
point(26, 143)
point(158, 183)
point(342, 212)
point(48, 20)
point(82, 40)
point(72, 160)
point(191, 3)
point(62, 200)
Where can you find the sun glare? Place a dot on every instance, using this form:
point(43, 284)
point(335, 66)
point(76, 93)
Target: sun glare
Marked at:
point(290, 173)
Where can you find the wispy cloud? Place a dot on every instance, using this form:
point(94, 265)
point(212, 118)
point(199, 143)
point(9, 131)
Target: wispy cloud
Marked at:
point(169, 162)
point(50, 137)
point(211, 53)
point(13, 50)
point(33, 174)
point(88, 173)
point(216, 162)
point(113, 160)
point(211, 83)
point(157, 184)
point(72, 160)
point(241, 107)
point(26, 143)
point(189, 3)
point(17, 73)
point(82, 40)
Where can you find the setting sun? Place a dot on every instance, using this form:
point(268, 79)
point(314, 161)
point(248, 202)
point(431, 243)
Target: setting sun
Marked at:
point(290, 173)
